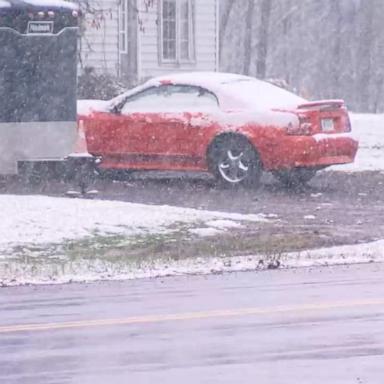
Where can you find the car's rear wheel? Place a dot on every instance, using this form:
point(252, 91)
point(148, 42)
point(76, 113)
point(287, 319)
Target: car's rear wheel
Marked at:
point(234, 162)
point(295, 177)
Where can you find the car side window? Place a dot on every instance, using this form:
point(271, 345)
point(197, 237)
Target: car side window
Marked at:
point(186, 98)
point(171, 98)
point(147, 100)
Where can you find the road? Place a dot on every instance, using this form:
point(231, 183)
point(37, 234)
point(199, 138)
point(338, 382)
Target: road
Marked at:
point(285, 326)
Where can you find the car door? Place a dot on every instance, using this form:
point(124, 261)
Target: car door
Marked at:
point(156, 128)
point(135, 122)
point(122, 136)
point(178, 129)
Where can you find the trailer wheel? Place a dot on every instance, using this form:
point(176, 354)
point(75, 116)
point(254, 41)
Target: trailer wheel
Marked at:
point(81, 172)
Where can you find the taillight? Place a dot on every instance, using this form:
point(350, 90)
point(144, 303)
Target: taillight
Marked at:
point(303, 129)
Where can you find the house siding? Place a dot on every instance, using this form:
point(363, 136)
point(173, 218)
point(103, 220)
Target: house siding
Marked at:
point(99, 43)
point(99, 46)
point(206, 35)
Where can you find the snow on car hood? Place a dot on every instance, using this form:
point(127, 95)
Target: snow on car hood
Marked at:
point(86, 107)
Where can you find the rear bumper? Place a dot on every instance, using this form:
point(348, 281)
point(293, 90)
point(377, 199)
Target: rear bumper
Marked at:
point(312, 151)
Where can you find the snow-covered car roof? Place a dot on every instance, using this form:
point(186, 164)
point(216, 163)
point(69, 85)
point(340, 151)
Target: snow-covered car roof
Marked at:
point(235, 92)
point(202, 79)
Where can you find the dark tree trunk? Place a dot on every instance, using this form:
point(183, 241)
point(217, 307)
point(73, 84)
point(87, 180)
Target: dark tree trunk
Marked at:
point(248, 37)
point(337, 49)
point(364, 56)
point(262, 46)
point(224, 23)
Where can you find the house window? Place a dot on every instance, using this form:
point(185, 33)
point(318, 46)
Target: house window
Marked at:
point(177, 31)
point(127, 44)
point(123, 26)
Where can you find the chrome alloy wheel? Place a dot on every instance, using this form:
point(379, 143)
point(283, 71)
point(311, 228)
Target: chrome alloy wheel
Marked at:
point(233, 167)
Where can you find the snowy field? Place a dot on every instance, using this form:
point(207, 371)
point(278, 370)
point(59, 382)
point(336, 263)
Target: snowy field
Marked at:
point(40, 220)
point(36, 230)
point(40, 235)
point(369, 130)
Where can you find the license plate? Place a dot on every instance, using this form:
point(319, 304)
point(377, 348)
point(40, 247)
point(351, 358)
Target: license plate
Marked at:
point(327, 125)
point(40, 27)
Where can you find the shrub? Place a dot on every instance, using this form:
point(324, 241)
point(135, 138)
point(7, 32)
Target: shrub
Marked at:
point(93, 85)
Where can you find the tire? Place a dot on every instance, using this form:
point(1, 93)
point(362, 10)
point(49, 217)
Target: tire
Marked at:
point(234, 162)
point(295, 177)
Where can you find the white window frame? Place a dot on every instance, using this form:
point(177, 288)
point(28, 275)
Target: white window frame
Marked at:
point(191, 33)
point(123, 26)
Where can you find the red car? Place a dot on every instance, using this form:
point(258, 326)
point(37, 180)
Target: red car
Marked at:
point(230, 125)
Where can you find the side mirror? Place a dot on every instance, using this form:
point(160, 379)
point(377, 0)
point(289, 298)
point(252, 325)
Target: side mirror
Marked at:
point(116, 109)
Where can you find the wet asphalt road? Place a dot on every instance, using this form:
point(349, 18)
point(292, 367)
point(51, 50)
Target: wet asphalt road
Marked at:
point(286, 326)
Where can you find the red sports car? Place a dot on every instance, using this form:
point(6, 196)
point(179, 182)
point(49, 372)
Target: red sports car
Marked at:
point(230, 125)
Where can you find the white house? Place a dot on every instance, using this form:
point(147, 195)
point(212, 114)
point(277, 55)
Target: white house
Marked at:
point(137, 39)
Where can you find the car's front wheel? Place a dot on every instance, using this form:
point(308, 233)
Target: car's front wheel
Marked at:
point(234, 162)
point(295, 177)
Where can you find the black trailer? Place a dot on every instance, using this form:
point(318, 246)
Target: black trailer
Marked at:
point(38, 71)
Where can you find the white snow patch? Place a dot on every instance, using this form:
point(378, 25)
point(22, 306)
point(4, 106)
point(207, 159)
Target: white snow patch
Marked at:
point(223, 224)
point(345, 254)
point(215, 227)
point(334, 136)
point(369, 130)
point(205, 232)
point(47, 220)
point(87, 106)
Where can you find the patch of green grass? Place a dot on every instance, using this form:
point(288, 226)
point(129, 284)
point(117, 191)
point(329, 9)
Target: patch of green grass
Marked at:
point(175, 243)
point(181, 244)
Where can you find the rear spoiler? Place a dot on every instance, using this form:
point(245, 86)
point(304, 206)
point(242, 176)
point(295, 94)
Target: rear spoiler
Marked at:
point(322, 104)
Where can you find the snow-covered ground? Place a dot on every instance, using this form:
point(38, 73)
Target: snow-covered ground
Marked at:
point(31, 226)
point(369, 130)
point(39, 220)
